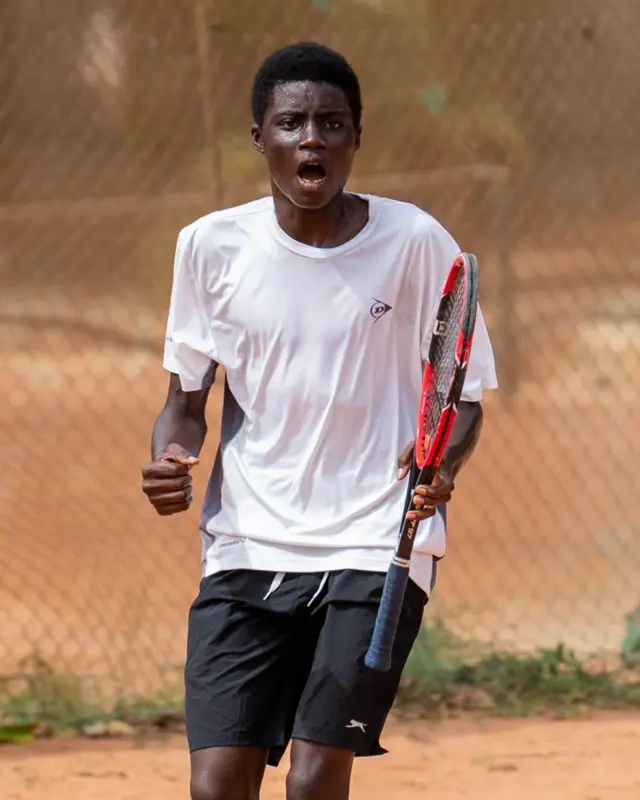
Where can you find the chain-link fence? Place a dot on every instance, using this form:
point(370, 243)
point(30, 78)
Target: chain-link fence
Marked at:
point(515, 124)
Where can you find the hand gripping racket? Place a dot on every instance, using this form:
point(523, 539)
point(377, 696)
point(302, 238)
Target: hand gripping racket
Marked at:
point(444, 376)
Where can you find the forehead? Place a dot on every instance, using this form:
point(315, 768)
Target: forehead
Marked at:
point(307, 96)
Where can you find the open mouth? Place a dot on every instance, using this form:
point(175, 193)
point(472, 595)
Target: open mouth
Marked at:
point(312, 174)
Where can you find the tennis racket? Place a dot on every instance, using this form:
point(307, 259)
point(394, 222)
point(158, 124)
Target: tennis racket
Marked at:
point(443, 380)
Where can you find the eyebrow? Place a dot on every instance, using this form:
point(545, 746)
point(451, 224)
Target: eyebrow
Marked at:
point(325, 112)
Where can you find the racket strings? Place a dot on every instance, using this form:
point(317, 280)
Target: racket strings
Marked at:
point(444, 356)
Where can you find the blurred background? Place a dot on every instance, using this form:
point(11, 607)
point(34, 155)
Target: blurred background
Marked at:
point(516, 124)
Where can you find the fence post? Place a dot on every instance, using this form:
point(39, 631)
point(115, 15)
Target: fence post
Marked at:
point(506, 294)
point(209, 100)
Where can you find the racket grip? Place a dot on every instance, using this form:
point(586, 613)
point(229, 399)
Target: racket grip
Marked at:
point(378, 656)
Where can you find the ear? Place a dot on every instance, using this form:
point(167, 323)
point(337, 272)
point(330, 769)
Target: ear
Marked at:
point(358, 137)
point(256, 137)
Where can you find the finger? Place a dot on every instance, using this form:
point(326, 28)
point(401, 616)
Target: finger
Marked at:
point(161, 485)
point(177, 453)
point(170, 497)
point(422, 505)
point(415, 514)
point(188, 461)
point(432, 502)
point(437, 499)
point(435, 491)
point(404, 461)
point(405, 456)
point(164, 469)
point(174, 508)
point(423, 502)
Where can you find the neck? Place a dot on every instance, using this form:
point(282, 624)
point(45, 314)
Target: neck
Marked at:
point(317, 227)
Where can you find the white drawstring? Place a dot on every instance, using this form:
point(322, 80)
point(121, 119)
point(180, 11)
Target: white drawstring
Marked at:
point(276, 583)
point(325, 578)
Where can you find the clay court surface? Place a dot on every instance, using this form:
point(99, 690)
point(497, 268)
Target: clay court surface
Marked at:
point(594, 759)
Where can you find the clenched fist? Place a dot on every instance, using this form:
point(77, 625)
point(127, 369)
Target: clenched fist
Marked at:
point(167, 480)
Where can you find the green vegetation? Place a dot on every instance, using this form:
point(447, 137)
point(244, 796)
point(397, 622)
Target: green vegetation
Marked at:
point(445, 676)
point(631, 642)
point(45, 698)
point(45, 703)
point(448, 675)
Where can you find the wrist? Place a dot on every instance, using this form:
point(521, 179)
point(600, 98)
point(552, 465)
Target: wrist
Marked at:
point(447, 471)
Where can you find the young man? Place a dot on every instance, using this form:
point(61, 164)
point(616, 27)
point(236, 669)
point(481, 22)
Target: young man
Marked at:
point(318, 304)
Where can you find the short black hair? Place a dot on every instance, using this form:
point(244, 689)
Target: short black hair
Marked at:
point(305, 61)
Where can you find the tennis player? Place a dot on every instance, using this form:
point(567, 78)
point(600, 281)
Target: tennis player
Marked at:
point(317, 302)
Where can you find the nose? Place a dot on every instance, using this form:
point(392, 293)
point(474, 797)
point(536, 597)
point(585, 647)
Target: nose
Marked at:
point(311, 138)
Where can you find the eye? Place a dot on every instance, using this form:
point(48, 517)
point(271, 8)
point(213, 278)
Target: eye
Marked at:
point(334, 124)
point(289, 123)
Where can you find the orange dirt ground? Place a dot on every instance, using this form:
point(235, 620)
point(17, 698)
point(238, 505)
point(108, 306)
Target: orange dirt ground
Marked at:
point(595, 759)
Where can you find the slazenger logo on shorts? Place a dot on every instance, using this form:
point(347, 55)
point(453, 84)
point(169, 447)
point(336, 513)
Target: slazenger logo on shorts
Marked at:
point(355, 724)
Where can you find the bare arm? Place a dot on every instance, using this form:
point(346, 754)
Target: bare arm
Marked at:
point(182, 420)
point(464, 437)
point(178, 435)
point(463, 441)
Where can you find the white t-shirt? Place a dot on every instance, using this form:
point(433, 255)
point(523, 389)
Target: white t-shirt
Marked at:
point(323, 351)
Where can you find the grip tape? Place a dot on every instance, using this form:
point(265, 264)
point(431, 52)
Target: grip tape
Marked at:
point(380, 651)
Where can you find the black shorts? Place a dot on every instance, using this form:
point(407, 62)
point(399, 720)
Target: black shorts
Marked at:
point(272, 657)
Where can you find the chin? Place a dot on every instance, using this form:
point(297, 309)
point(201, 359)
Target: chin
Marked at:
point(311, 203)
point(313, 200)
point(310, 198)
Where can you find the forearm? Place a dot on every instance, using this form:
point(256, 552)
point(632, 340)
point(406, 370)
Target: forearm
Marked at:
point(464, 437)
point(173, 426)
point(182, 421)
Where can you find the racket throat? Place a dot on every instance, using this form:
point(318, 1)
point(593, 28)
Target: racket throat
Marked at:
point(407, 540)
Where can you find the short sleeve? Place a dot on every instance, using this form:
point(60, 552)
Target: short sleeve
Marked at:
point(481, 372)
point(438, 253)
point(189, 351)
